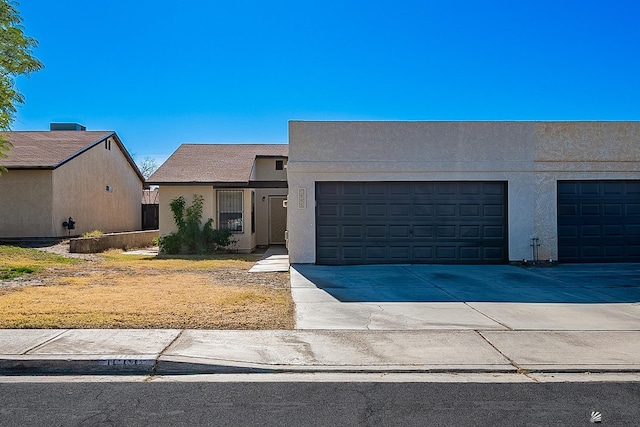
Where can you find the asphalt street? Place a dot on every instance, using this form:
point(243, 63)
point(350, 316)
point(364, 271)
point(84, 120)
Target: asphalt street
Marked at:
point(317, 404)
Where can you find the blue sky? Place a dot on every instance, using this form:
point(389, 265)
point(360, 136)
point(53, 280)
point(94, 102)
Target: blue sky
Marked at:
point(161, 73)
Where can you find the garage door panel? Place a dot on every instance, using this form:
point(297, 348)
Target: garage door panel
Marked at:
point(446, 231)
point(446, 253)
point(399, 253)
point(423, 231)
point(354, 211)
point(376, 253)
point(469, 254)
point(328, 189)
point(400, 210)
point(493, 210)
point(493, 232)
point(423, 210)
point(327, 210)
point(613, 230)
point(493, 189)
point(613, 209)
point(399, 231)
point(471, 188)
point(598, 220)
point(495, 254)
point(469, 231)
point(633, 209)
point(375, 231)
point(470, 210)
point(409, 222)
point(446, 210)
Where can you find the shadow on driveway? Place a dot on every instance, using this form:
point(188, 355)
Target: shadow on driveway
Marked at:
point(565, 283)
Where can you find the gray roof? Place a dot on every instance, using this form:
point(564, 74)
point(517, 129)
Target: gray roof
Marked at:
point(51, 149)
point(48, 149)
point(214, 163)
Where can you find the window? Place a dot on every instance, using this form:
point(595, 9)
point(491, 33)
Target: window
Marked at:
point(279, 165)
point(230, 210)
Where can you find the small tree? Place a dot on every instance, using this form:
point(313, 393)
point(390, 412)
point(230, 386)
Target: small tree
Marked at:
point(147, 167)
point(193, 236)
point(15, 59)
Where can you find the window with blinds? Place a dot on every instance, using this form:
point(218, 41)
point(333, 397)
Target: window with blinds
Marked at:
point(230, 210)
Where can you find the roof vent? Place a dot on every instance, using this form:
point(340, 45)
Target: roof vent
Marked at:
point(66, 126)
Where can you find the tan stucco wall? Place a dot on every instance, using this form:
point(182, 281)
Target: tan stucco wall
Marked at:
point(530, 156)
point(79, 191)
point(25, 203)
point(246, 241)
point(265, 170)
point(167, 193)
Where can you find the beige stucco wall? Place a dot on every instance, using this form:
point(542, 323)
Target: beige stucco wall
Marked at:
point(265, 170)
point(167, 193)
point(79, 191)
point(26, 203)
point(529, 156)
point(245, 241)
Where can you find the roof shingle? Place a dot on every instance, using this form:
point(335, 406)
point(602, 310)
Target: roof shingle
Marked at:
point(48, 149)
point(214, 163)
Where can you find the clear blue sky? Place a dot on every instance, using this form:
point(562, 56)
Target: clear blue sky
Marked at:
point(161, 73)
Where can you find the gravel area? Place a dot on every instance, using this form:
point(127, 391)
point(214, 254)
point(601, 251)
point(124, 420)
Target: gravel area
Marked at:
point(62, 249)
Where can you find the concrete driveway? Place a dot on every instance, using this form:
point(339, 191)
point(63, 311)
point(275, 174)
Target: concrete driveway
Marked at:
point(594, 297)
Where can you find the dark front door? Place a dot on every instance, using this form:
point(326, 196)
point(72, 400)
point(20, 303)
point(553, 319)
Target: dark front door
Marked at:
point(411, 222)
point(599, 221)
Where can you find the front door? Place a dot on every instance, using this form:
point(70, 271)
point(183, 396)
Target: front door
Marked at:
point(277, 220)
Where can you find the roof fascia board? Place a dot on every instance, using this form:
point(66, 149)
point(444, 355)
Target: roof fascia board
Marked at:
point(27, 168)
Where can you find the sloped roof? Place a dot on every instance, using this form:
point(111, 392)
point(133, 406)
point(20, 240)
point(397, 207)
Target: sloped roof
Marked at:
point(214, 163)
point(48, 149)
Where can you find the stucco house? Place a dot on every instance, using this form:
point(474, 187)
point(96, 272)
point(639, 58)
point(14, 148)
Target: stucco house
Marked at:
point(71, 173)
point(463, 192)
point(244, 187)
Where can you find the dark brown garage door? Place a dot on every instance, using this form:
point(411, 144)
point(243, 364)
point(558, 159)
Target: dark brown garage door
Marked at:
point(599, 221)
point(411, 222)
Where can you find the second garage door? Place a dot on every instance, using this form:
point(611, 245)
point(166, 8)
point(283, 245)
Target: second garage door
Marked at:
point(411, 222)
point(599, 221)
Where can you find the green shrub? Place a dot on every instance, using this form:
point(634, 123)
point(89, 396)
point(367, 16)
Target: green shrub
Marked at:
point(192, 236)
point(215, 240)
point(170, 244)
point(155, 241)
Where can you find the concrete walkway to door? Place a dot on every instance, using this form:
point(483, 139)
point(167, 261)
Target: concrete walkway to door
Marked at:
point(275, 258)
point(596, 297)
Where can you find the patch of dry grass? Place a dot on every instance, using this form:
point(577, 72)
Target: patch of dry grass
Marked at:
point(127, 291)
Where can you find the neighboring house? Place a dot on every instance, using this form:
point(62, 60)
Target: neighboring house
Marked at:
point(72, 173)
point(243, 186)
point(463, 192)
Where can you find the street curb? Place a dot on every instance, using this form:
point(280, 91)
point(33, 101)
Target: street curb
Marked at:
point(57, 366)
point(146, 366)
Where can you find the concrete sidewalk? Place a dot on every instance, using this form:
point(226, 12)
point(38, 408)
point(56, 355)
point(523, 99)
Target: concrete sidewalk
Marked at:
point(275, 259)
point(165, 352)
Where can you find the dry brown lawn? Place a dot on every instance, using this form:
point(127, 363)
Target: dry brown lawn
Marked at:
point(132, 291)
